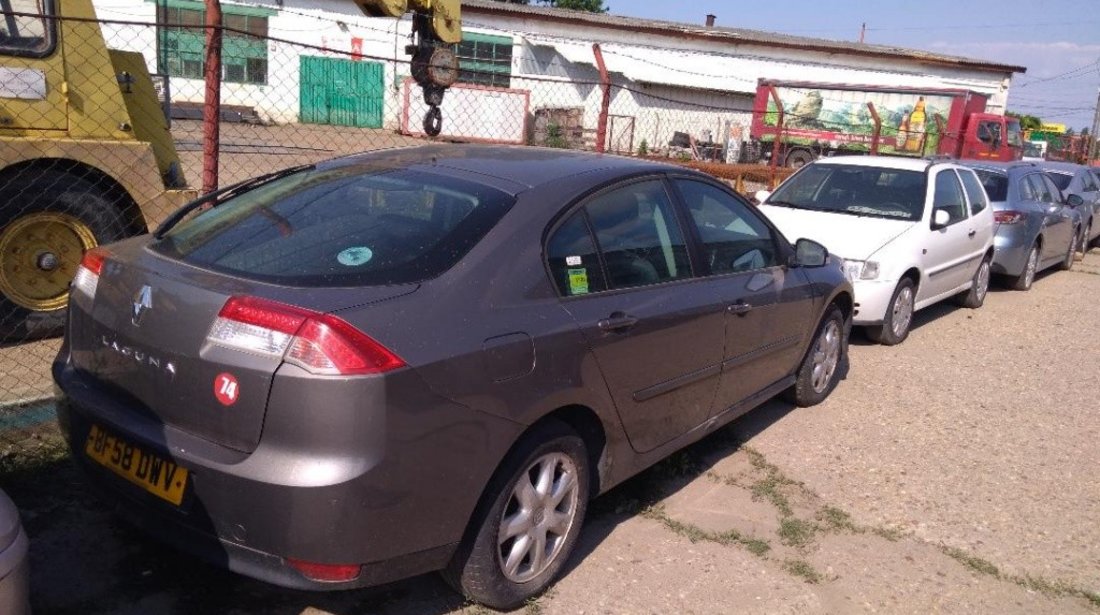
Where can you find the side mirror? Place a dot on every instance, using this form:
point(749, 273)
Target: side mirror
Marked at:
point(940, 218)
point(1075, 200)
point(809, 253)
point(762, 195)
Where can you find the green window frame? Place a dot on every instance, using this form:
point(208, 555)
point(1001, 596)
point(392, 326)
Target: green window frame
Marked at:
point(183, 45)
point(485, 59)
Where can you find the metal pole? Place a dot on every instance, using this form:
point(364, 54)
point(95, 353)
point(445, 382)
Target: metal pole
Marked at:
point(211, 109)
point(776, 146)
point(878, 128)
point(1094, 148)
point(605, 104)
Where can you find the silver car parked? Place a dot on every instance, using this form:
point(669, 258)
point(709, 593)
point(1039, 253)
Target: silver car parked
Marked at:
point(14, 576)
point(1074, 179)
point(1035, 227)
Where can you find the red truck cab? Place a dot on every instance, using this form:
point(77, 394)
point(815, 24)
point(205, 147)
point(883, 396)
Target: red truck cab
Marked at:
point(991, 137)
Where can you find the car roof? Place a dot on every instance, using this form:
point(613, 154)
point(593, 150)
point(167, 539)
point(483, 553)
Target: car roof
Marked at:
point(885, 162)
point(514, 168)
point(1059, 167)
point(1001, 167)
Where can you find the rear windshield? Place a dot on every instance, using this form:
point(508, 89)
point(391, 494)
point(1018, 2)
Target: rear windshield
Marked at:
point(343, 226)
point(1061, 180)
point(995, 184)
point(857, 190)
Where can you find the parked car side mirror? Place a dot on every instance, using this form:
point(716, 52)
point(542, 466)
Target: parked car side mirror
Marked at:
point(809, 253)
point(1075, 200)
point(940, 218)
point(762, 195)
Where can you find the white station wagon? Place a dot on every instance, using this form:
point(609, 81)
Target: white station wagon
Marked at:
point(911, 232)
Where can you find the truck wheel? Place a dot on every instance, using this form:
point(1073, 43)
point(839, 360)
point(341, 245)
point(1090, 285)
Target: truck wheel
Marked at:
point(799, 158)
point(47, 221)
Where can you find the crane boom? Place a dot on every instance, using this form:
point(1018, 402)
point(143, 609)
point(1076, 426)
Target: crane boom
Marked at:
point(437, 24)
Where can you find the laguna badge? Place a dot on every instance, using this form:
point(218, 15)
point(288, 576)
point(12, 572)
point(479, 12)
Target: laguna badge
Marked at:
point(143, 301)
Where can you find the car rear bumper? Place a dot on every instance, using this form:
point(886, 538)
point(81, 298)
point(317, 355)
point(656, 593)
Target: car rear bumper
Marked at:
point(1011, 245)
point(393, 498)
point(15, 577)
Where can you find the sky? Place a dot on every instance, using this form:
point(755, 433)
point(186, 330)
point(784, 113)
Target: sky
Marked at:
point(1057, 40)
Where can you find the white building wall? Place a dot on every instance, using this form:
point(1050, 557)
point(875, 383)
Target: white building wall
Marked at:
point(704, 84)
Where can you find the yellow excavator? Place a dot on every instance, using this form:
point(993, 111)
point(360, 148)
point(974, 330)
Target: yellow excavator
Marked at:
point(86, 157)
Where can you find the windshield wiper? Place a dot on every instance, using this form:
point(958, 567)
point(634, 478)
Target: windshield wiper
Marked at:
point(790, 205)
point(217, 197)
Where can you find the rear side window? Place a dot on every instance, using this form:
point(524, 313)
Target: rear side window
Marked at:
point(974, 192)
point(574, 264)
point(949, 196)
point(1027, 192)
point(1039, 188)
point(1055, 193)
point(995, 185)
point(638, 235)
point(352, 225)
point(26, 35)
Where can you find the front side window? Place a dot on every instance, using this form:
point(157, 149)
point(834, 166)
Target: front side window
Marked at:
point(352, 225)
point(857, 190)
point(1053, 190)
point(989, 132)
point(949, 196)
point(1062, 180)
point(572, 257)
point(26, 36)
point(974, 192)
point(1015, 138)
point(183, 43)
point(734, 238)
point(1089, 182)
point(638, 235)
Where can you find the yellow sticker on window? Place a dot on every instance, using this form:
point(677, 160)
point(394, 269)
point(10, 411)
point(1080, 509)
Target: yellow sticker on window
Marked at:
point(578, 281)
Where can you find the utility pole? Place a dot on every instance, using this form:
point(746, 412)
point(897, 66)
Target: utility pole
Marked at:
point(862, 31)
point(211, 108)
point(1094, 147)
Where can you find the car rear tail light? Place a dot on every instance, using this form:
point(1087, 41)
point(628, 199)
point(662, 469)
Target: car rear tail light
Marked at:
point(1008, 217)
point(86, 279)
point(319, 343)
point(326, 573)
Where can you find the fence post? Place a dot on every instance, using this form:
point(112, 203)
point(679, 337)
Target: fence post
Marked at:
point(878, 128)
point(605, 104)
point(777, 145)
point(212, 106)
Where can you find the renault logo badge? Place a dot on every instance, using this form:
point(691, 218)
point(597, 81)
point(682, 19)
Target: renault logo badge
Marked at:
point(143, 300)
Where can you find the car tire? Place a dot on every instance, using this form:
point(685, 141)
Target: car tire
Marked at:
point(899, 316)
point(1084, 243)
point(1071, 254)
point(1027, 276)
point(480, 568)
point(979, 287)
point(78, 215)
point(824, 364)
point(799, 158)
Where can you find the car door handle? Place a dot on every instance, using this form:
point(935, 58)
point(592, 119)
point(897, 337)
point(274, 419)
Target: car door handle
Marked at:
point(617, 322)
point(740, 308)
point(972, 233)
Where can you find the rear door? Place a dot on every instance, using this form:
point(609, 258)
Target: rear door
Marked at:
point(1057, 224)
point(657, 332)
point(769, 308)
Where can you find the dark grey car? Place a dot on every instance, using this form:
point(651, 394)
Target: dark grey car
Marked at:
point(14, 570)
point(1035, 227)
point(1075, 179)
point(431, 358)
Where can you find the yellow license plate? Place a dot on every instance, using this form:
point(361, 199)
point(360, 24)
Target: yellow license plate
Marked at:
point(161, 477)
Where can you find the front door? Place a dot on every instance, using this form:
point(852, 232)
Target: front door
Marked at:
point(655, 330)
point(768, 305)
point(32, 68)
point(947, 257)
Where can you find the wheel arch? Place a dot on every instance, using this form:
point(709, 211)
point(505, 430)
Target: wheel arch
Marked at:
point(128, 209)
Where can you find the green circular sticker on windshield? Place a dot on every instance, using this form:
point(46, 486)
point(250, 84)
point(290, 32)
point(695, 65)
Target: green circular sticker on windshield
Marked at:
point(353, 257)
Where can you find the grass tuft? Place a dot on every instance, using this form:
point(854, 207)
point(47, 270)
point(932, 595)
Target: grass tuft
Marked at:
point(796, 532)
point(803, 569)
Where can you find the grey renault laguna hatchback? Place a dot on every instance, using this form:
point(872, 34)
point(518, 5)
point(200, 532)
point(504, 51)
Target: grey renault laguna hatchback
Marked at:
point(430, 358)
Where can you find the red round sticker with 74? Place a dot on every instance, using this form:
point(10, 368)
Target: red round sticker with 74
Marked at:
point(226, 389)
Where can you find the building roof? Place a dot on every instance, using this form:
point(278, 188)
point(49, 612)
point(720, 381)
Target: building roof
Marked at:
point(729, 35)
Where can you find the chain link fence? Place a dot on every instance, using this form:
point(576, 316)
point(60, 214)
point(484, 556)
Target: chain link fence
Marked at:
point(102, 134)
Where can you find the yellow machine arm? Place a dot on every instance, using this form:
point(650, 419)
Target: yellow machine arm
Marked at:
point(437, 24)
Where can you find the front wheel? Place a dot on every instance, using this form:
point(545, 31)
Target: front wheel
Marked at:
point(823, 366)
point(1085, 243)
point(529, 522)
point(979, 287)
point(899, 316)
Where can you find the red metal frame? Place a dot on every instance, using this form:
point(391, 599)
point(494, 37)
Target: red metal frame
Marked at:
point(605, 103)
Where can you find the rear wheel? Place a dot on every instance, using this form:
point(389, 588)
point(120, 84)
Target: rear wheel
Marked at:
point(1027, 276)
point(823, 365)
point(979, 287)
point(47, 223)
point(799, 158)
point(899, 316)
point(528, 523)
point(1085, 243)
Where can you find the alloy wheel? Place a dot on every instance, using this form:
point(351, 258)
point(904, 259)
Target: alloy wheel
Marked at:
point(826, 356)
point(1032, 265)
point(902, 312)
point(538, 516)
point(982, 281)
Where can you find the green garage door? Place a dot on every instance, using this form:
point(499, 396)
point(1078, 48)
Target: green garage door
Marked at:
point(341, 92)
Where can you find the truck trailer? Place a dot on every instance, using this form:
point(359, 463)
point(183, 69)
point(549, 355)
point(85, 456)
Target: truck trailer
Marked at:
point(823, 119)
